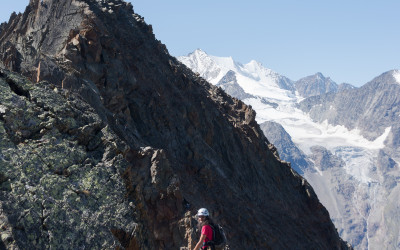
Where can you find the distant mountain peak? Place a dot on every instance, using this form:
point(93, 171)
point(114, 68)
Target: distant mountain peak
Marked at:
point(255, 63)
point(198, 52)
point(321, 76)
point(387, 78)
point(214, 68)
point(316, 84)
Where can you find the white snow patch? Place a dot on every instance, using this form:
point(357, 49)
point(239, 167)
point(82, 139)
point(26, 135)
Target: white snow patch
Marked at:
point(306, 133)
point(396, 75)
point(224, 62)
point(2, 109)
point(319, 171)
point(266, 88)
point(381, 139)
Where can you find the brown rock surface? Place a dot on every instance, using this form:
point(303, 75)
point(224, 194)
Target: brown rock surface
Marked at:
point(190, 144)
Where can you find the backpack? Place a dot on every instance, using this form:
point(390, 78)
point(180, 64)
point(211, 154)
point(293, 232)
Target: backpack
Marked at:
point(219, 238)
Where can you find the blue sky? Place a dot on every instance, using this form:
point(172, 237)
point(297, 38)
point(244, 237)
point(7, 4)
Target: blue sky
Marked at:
point(349, 41)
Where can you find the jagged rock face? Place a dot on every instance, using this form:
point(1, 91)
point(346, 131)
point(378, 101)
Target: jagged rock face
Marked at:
point(61, 170)
point(315, 85)
point(360, 108)
point(324, 158)
point(116, 144)
point(344, 87)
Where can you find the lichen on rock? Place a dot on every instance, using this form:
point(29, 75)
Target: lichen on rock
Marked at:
point(53, 189)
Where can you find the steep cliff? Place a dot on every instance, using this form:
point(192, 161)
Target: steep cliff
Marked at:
point(113, 143)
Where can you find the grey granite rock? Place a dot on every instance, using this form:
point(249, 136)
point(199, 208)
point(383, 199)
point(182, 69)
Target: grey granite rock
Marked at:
point(371, 108)
point(229, 84)
point(315, 85)
point(288, 151)
point(345, 86)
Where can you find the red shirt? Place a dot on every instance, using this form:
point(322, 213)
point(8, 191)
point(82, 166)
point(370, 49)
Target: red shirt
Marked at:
point(207, 230)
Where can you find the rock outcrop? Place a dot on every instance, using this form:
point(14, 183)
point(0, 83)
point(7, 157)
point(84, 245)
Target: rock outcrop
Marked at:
point(229, 84)
point(113, 144)
point(315, 85)
point(287, 149)
point(345, 86)
point(61, 169)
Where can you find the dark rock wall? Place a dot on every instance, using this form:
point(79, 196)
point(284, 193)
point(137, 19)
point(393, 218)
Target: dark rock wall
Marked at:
point(174, 141)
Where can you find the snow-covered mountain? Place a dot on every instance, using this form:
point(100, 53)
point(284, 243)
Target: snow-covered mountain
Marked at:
point(353, 167)
point(257, 77)
point(372, 108)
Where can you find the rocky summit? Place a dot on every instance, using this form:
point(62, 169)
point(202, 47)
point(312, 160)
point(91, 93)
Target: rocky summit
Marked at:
point(108, 142)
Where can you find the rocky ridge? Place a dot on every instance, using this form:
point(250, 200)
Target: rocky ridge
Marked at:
point(113, 143)
point(360, 108)
point(315, 85)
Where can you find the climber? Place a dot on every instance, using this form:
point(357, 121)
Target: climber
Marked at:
point(203, 216)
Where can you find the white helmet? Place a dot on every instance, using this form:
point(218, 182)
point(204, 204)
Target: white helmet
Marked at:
point(203, 212)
